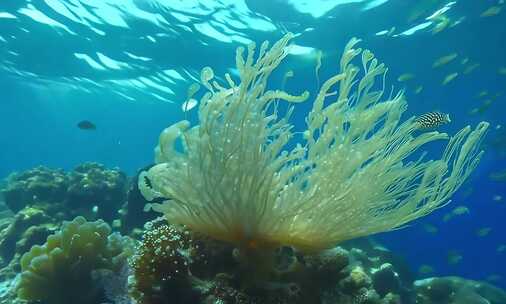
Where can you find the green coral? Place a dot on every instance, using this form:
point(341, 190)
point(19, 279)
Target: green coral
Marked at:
point(62, 270)
point(34, 186)
point(90, 189)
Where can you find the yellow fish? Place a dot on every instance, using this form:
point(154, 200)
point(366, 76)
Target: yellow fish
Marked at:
point(499, 176)
point(444, 60)
point(406, 77)
point(425, 269)
point(482, 93)
point(430, 228)
point(483, 231)
point(460, 210)
point(442, 22)
point(454, 257)
point(449, 78)
point(471, 68)
point(491, 11)
point(501, 248)
point(447, 217)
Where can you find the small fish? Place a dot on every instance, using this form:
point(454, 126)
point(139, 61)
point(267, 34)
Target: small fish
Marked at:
point(471, 68)
point(460, 210)
point(501, 248)
point(430, 228)
point(458, 21)
point(444, 60)
point(454, 257)
point(491, 11)
point(465, 60)
point(406, 77)
point(499, 176)
point(467, 192)
point(482, 94)
point(502, 70)
point(86, 125)
point(497, 198)
point(441, 23)
point(425, 269)
point(449, 78)
point(418, 89)
point(483, 231)
point(432, 120)
point(447, 217)
point(482, 108)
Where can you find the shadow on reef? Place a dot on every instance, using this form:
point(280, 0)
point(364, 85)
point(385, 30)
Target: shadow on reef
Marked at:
point(51, 256)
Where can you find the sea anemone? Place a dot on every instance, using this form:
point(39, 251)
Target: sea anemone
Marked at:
point(237, 176)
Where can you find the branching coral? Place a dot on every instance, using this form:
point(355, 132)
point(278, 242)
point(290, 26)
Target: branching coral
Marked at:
point(353, 174)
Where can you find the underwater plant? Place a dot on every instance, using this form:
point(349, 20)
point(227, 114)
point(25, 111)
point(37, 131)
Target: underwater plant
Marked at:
point(67, 268)
point(353, 173)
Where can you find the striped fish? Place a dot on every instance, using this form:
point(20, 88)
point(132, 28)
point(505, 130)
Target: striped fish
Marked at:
point(432, 120)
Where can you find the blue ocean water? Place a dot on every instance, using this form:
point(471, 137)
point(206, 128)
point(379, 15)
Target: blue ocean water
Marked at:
point(126, 66)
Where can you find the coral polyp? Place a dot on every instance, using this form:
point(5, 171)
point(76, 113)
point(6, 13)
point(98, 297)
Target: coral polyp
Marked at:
point(354, 173)
point(161, 266)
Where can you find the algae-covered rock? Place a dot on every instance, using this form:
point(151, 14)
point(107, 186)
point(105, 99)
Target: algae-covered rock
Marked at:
point(455, 290)
point(63, 269)
point(35, 185)
point(90, 190)
point(94, 188)
point(386, 280)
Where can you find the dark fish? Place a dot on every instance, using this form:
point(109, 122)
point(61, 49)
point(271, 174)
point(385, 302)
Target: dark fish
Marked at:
point(432, 120)
point(86, 125)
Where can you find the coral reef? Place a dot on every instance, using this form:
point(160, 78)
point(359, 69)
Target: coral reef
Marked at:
point(41, 198)
point(93, 188)
point(66, 268)
point(90, 190)
point(161, 266)
point(174, 263)
point(246, 222)
point(39, 184)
